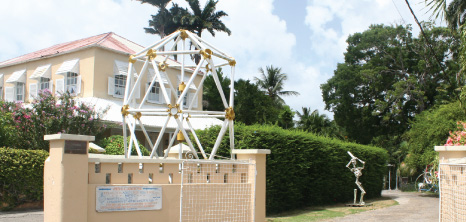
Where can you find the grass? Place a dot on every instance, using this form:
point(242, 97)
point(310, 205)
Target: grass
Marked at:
point(328, 212)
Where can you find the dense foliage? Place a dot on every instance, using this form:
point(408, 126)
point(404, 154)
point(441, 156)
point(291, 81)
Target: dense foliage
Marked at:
point(6, 128)
point(304, 169)
point(114, 145)
point(47, 115)
point(21, 176)
point(388, 77)
point(429, 129)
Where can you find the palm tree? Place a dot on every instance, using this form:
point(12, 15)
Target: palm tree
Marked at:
point(304, 120)
point(161, 19)
point(454, 13)
point(202, 19)
point(206, 18)
point(272, 81)
point(314, 122)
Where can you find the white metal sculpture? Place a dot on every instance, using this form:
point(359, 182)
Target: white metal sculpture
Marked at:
point(357, 173)
point(132, 112)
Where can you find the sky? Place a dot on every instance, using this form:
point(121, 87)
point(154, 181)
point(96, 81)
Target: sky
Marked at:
point(305, 38)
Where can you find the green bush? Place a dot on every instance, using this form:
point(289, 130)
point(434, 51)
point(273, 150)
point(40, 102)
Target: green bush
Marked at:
point(304, 169)
point(114, 145)
point(50, 115)
point(6, 127)
point(21, 176)
point(431, 128)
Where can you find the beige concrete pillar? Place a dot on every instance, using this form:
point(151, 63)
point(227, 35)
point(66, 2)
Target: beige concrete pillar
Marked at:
point(451, 154)
point(66, 178)
point(257, 156)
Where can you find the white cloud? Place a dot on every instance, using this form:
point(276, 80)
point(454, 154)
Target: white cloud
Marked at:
point(33, 25)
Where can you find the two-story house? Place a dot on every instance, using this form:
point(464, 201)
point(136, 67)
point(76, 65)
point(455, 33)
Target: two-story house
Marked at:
point(94, 70)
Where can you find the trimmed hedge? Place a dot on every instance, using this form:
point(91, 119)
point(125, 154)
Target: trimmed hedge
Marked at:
point(21, 176)
point(304, 169)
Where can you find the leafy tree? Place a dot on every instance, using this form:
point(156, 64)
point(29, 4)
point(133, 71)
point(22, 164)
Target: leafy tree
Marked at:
point(285, 118)
point(429, 129)
point(388, 77)
point(272, 81)
point(211, 96)
point(253, 106)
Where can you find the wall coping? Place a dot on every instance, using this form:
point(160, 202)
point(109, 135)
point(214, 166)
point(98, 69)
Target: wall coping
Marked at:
point(251, 151)
point(102, 158)
point(69, 137)
point(450, 148)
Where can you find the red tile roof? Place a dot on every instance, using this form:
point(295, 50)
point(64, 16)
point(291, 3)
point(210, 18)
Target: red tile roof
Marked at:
point(107, 40)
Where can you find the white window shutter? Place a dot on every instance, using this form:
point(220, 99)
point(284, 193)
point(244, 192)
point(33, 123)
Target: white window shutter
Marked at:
point(78, 85)
point(32, 91)
point(60, 86)
point(195, 100)
point(111, 86)
point(51, 86)
point(10, 94)
point(169, 93)
point(138, 91)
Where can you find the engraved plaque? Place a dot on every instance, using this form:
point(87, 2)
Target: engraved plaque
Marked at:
point(75, 147)
point(128, 198)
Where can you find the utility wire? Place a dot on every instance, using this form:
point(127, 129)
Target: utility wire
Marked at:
point(404, 22)
point(428, 43)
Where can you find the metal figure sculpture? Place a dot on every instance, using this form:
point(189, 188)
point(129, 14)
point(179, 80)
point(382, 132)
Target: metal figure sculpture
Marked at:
point(180, 111)
point(357, 173)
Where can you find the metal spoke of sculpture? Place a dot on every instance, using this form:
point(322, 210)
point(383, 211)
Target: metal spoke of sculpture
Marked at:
point(357, 173)
point(132, 112)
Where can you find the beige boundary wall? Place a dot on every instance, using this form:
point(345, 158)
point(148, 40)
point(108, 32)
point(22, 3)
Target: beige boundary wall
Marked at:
point(452, 172)
point(71, 177)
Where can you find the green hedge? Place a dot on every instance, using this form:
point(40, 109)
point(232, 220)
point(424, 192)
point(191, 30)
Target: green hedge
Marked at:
point(114, 145)
point(21, 176)
point(304, 169)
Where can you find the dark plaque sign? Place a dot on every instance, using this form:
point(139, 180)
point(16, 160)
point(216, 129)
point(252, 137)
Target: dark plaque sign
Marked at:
point(75, 147)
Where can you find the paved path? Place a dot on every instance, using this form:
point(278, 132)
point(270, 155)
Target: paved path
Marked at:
point(22, 216)
point(412, 207)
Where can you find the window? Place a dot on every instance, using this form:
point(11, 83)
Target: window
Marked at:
point(71, 82)
point(44, 83)
point(185, 99)
point(19, 91)
point(120, 85)
point(154, 93)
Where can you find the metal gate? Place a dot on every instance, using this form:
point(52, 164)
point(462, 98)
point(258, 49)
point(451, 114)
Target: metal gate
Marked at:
point(452, 192)
point(217, 191)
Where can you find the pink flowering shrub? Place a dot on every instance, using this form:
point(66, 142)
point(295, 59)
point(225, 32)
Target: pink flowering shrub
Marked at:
point(50, 115)
point(457, 138)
